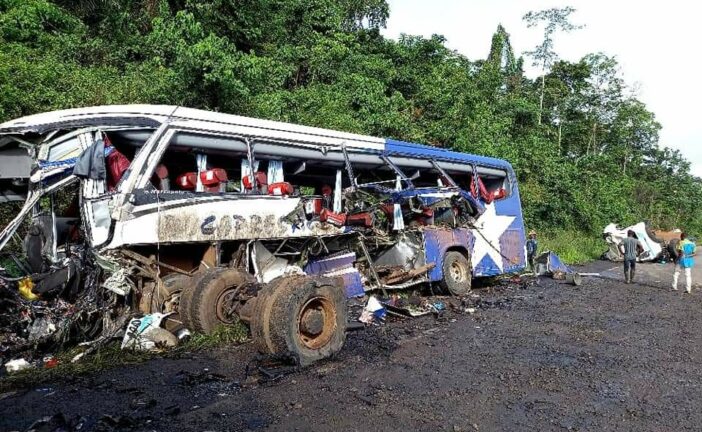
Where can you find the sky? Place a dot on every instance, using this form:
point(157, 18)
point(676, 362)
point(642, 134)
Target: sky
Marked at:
point(655, 43)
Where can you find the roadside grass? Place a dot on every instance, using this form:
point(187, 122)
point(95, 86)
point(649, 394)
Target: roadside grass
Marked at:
point(573, 247)
point(111, 356)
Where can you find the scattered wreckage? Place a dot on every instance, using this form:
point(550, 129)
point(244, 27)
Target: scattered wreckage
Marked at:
point(208, 219)
point(656, 243)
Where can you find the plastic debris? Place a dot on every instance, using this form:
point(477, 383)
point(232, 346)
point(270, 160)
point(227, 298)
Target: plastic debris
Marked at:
point(50, 362)
point(146, 334)
point(17, 365)
point(183, 334)
point(438, 306)
point(25, 289)
point(374, 311)
point(40, 329)
point(119, 282)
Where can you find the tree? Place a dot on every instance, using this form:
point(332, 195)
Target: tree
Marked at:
point(502, 58)
point(544, 55)
point(324, 63)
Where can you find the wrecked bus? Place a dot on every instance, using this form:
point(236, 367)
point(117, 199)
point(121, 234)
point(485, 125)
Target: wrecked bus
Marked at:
point(216, 218)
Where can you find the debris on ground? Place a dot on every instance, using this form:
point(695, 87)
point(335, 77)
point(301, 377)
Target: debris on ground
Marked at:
point(145, 334)
point(267, 368)
point(373, 312)
point(548, 263)
point(412, 306)
point(17, 365)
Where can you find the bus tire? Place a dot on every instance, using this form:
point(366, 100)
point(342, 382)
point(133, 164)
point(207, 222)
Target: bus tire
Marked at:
point(302, 316)
point(457, 274)
point(153, 300)
point(186, 298)
point(210, 305)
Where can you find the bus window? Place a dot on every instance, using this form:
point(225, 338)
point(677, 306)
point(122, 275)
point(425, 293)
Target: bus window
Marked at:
point(202, 163)
point(305, 169)
point(422, 172)
point(375, 173)
point(490, 185)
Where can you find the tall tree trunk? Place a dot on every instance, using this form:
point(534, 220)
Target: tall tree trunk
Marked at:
point(593, 140)
point(560, 151)
point(541, 97)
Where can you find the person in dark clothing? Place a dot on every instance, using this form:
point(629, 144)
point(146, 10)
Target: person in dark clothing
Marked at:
point(631, 248)
point(531, 247)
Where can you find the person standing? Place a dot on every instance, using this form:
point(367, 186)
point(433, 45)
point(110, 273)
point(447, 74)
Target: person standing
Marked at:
point(630, 247)
point(531, 247)
point(686, 260)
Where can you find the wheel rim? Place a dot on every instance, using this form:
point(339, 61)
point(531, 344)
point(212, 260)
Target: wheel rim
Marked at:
point(316, 322)
point(457, 271)
point(225, 306)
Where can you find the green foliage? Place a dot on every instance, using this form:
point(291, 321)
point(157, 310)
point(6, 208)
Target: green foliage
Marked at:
point(573, 247)
point(584, 147)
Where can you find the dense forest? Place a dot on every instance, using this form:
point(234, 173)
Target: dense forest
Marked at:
point(585, 149)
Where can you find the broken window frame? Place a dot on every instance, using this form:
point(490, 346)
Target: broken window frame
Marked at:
point(398, 171)
point(32, 199)
point(443, 173)
point(166, 138)
point(349, 168)
point(429, 161)
point(477, 169)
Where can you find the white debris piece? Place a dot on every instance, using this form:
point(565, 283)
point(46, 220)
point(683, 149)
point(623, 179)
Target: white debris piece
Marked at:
point(17, 365)
point(373, 311)
point(145, 333)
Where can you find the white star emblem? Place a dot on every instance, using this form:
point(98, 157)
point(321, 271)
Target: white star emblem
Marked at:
point(488, 229)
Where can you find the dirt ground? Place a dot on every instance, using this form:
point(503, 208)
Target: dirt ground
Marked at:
point(537, 357)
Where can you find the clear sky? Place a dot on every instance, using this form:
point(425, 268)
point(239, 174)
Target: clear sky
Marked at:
point(658, 46)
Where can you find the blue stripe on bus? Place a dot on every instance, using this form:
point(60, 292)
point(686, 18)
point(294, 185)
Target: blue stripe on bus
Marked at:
point(425, 151)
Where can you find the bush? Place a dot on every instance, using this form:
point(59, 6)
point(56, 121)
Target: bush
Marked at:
point(573, 247)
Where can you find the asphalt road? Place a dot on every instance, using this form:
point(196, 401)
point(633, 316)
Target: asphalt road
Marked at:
point(533, 357)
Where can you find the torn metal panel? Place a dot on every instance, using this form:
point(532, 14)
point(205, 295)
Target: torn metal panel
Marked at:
point(550, 263)
point(407, 253)
point(339, 265)
point(321, 266)
point(268, 267)
point(119, 282)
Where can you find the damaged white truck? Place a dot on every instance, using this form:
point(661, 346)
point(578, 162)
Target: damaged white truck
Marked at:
point(217, 218)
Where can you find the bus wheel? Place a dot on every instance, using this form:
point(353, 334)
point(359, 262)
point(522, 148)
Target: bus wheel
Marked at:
point(213, 299)
point(186, 297)
point(302, 316)
point(165, 298)
point(159, 297)
point(457, 274)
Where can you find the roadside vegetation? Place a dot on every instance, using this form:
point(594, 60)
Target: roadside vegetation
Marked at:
point(584, 147)
point(573, 247)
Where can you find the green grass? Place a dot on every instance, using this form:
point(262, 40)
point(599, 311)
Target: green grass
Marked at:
point(111, 356)
point(573, 247)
